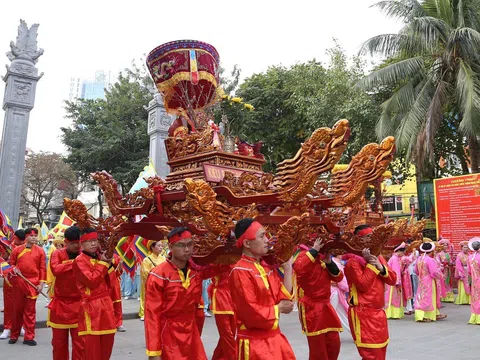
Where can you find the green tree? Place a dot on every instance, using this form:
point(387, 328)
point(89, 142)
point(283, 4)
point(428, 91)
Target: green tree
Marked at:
point(290, 103)
point(111, 134)
point(434, 67)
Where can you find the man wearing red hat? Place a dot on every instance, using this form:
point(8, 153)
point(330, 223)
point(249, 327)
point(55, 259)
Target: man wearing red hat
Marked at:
point(222, 308)
point(65, 305)
point(18, 240)
point(31, 263)
point(320, 322)
point(172, 295)
point(259, 297)
point(366, 278)
point(96, 315)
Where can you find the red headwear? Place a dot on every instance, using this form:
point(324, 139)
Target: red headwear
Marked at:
point(365, 232)
point(249, 234)
point(177, 237)
point(89, 237)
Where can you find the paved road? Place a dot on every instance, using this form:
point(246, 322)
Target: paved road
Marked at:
point(448, 339)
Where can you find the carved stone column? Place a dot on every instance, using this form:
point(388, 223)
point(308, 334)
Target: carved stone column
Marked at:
point(21, 82)
point(158, 123)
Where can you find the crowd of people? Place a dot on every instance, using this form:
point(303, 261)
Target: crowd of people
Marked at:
point(351, 292)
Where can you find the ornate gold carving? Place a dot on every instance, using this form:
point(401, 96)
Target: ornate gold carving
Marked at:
point(78, 212)
point(319, 154)
point(291, 233)
point(248, 183)
point(349, 185)
point(192, 143)
point(218, 217)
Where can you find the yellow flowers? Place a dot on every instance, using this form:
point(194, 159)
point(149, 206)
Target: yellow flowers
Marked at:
point(249, 107)
point(237, 100)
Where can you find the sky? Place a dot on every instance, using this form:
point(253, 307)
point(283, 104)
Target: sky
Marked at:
point(81, 37)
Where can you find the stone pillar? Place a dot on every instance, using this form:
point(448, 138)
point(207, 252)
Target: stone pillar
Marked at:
point(21, 82)
point(158, 123)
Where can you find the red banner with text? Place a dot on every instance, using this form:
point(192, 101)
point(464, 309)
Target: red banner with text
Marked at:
point(457, 206)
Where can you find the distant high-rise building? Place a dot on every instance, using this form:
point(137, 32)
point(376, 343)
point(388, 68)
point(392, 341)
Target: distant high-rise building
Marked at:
point(90, 89)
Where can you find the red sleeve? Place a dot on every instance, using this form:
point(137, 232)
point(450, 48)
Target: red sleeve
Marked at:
point(304, 264)
point(214, 270)
point(361, 276)
point(390, 277)
point(154, 294)
point(58, 266)
point(43, 266)
point(90, 278)
point(242, 289)
point(13, 257)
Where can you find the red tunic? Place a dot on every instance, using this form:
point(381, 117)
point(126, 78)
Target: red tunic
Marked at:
point(317, 315)
point(115, 271)
point(256, 290)
point(367, 317)
point(96, 315)
point(32, 263)
point(222, 303)
point(65, 305)
point(171, 300)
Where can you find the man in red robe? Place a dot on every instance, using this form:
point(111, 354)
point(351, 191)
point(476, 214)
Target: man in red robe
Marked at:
point(115, 271)
point(366, 278)
point(30, 261)
point(320, 322)
point(259, 297)
point(65, 305)
point(96, 315)
point(18, 240)
point(222, 308)
point(172, 295)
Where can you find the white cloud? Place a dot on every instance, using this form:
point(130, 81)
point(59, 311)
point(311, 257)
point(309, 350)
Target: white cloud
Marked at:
point(82, 37)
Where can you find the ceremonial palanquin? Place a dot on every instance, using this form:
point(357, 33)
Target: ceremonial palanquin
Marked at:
point(210, 187)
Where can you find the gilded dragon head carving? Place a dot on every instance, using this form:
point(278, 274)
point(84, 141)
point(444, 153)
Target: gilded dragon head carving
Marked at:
point(319, 154)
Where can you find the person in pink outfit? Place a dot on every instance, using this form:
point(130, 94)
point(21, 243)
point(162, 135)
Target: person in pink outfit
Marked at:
point(393, 294)
point(338, 297)
point(407, 286)
point(426, 306)
point(445, 259)
point(474, 271)
point(461, 274)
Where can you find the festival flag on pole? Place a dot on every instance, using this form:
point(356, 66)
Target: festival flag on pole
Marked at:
point(127, 254)
point(63, 224)
point(44, 231)
point(20, 223)
point(6, 227)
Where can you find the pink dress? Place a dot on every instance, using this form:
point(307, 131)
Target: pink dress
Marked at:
point(426, 306)
point(445, 261)
point(461, 274)
point(393, 294)
point(338, 298)
point(474, 271)
point(407, 287)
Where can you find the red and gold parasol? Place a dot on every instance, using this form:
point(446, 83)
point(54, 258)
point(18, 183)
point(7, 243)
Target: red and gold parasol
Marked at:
point(186, 74)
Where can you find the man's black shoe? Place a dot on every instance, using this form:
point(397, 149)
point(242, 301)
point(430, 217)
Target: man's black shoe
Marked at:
point(12, 341)
point(30, 342)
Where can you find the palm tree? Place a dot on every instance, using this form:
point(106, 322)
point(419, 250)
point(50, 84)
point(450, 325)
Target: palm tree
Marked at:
point(434, 63)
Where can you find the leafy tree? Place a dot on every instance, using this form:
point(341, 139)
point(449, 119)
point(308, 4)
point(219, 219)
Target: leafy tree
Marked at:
point(290, 103)
point(111, 134)
point(434, 66)
point(47, 177)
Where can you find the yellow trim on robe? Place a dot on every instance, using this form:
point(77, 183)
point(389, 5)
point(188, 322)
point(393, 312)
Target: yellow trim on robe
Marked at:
point(354, 294)
point(89, 331)
point(315, 333)
point(310, 256)
point(263, 274)
point(277, 316)
point(286, 292)
point(153, 353)
point(23, 252)
point(59, 326)
point(374, 269)
point(185, 279)
point(358, 338)
point(214, 305)
point(245, 343)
